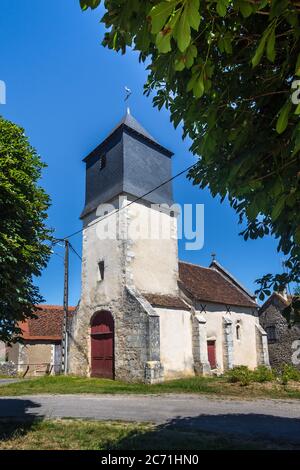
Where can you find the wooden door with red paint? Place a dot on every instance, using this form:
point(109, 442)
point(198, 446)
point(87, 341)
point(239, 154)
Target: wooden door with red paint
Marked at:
point(102, 345)
point(211, 350)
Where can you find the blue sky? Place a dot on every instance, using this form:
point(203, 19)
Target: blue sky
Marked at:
point(67, 91)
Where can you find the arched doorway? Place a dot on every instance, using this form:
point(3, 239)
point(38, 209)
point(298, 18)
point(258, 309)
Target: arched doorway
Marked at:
point(102, 345)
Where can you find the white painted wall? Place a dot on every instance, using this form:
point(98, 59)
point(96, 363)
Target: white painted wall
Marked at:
point(176, 342)
point(101, 243)
point(153, 247)
point(244, 349)
point(141, 248)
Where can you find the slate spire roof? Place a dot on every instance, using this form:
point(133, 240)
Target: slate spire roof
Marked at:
point(129, 121)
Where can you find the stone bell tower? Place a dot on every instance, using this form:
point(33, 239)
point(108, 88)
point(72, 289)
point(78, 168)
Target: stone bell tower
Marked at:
point(129, 249)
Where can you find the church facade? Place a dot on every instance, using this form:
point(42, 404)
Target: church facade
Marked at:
point(144, 315)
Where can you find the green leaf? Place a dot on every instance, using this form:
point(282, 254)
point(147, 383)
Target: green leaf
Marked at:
point(179, 64)
point(278, 208)
point(297, 68)
point(245, 9)
point(191, 82)
point(183, 32)
point(297, 110)
point(193, 13)
point(222, 6)
point(271, 45)
point(227, 45)
point(159, 15)
point(190, 55)
point(115, 40)
point(198, 87)
point(283, 117)
point(163, 42)
point(85, 4)
point(260, 50)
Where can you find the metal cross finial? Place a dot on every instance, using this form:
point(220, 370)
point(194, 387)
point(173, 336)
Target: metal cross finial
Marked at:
point(128, 92)
point(213, 255)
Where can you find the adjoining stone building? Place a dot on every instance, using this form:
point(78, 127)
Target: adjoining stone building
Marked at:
point(39, 352)
point(283, 341)
point(143, 315)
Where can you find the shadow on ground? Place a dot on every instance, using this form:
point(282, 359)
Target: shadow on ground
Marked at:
point(11, 426)
point(228, 431)
point(225, 431)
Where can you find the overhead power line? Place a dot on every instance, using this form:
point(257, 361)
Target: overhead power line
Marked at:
point(125, 207)
point(74, 251)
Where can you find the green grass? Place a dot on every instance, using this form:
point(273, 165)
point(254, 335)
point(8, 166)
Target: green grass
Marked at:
point(199, 385)
point(91, 435)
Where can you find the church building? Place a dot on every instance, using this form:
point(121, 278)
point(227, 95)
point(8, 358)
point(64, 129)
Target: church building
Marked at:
point(144, 315)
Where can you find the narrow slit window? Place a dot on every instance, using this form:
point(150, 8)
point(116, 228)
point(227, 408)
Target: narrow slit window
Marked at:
point(102, 162)
point(101, 270)
point(238, 332)
point(271, 333)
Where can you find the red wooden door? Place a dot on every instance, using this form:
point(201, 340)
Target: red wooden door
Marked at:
point(211, 349)
point(102, 345)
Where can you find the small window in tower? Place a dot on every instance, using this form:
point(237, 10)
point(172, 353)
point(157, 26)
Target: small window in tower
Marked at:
point(271, 333)
point(102, 162)
point(238, 331)
point(101, 270)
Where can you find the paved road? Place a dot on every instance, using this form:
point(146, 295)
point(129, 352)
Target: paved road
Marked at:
point(8, 381)
point(278, 419)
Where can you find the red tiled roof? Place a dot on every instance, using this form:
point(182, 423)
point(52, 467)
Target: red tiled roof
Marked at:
point(47, 325)
point(167, 301)
point(210, 285)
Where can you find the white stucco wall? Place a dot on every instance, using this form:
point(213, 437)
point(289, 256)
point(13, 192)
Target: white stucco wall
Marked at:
point(101, 243)
point(176, 342)
point(139, 243)
point(244, 350)
point(153, 247)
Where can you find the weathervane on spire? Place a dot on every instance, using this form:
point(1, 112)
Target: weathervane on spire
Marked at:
point(128, 93)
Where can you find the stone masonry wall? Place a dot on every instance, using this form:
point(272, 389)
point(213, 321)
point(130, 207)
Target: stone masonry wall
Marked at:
point(8, 368)
point(280, 350)
point(133, 333)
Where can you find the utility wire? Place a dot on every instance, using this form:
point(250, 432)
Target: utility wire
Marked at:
point(60, 256)
point(74, 251)
point(125, 207)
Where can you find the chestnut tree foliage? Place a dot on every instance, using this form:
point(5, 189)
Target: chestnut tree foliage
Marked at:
point(227, 70)
point(23, 251)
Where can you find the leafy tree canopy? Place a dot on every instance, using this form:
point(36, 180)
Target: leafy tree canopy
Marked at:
point(227, 69)
point(23, 206)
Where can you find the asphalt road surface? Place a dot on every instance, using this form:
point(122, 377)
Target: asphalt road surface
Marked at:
point(272, 419)
point(8, 381)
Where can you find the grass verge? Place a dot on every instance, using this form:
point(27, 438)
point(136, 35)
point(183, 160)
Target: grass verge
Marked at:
point(198, 385)
point(90, 435)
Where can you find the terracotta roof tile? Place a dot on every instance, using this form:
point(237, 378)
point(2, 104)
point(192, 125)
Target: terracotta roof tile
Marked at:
point(210, 285)
point(167, 301)
point(47, 325)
